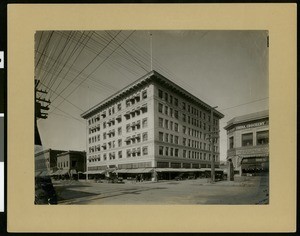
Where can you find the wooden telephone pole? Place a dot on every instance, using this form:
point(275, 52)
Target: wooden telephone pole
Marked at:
point(41, 108)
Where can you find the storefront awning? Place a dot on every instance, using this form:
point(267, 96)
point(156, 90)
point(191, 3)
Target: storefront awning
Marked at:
point(180, 170)
point(91, 172)
point(134, 171)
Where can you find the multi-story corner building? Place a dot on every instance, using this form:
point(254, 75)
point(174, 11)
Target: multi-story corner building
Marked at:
point(151, 124)
point(248, 142)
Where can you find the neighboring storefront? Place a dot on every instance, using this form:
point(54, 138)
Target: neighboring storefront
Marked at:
point(248, 143)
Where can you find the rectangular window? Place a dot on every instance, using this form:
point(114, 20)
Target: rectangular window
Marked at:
point(166, 151)
point(184, 117)
point(171, 138)
point(161, 136)
point(104, 135)
point(166, 110)
point(184, 153)
point(176, 140)
point(176, 152)
point(247, 139)
point(171, 152)
point(128, 153)
point(166, 124)
point(171, 125)
point(145, 136)
point(161, 150)
point(160, 107)
point(119, 107)
point(231, 144)
point(120, 142)
point(160, 94)
point(144, 94)
point(171, 99)
point(166, 96)
point(120, 154)
point(176, 114)
point(166, 137)
point(176, 127)
point(183, 105)
point(262, 137)
point(160, 122)
point(128, 128)
point(183, 129)
point(171, 112)
point(119, 130)
point(184, 141)
point(176, 101)
point(145, 151)
point(145, 122)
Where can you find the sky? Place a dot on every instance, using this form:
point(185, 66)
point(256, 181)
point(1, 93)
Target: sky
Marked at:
point(79, 69)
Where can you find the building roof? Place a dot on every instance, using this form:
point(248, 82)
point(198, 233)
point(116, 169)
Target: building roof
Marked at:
point(248, 117)
point(71, 152)
point(152, 76)
point(48, 150)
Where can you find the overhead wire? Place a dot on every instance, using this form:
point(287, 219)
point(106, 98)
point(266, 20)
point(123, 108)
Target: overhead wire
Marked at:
point(99, 64)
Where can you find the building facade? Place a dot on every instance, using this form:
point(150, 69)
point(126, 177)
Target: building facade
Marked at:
point(71, 163)
point(46, 161)
point(248, 142)
point(151, 124)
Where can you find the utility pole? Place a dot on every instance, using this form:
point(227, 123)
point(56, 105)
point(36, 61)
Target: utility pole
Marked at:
point(40, 110)
point(212, 135)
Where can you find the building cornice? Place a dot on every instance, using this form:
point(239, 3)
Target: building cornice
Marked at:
point(151, 77)
point(247, 118)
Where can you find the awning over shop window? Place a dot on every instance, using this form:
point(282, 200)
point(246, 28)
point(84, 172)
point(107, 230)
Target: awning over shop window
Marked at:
point(134, 171)
point(90, 172)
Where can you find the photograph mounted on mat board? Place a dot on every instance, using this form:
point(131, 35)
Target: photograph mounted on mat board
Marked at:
point(127, 112)
point(160, 90)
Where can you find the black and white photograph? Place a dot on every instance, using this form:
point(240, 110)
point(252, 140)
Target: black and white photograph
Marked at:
point(151, 117)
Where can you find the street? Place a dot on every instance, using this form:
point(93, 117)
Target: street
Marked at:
point(244, 190)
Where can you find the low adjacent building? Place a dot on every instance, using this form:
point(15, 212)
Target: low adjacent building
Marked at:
point(46, 161)
point(248, 142)
point(71, 164)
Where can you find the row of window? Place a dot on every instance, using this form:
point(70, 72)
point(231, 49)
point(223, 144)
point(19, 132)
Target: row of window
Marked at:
point(185, 106)
point(164, 123)
point(174, 152)
point(198, 155)
point(183, 165)
point(262, 138)
point(134, 152)
point(136, 111)
point(112, 144)
point(168, 97)
point(168, 138)
point(135, 98)
point(169, 111)
point(168, 151)
point(129, 127)
point(66, 164)
point(130, 101)
point(136, 125)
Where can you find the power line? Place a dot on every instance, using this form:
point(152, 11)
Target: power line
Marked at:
point(71, 67)
point(98, 65)
point(244, 104)
point(76, 47)
point(87, 65)
point(63, 97)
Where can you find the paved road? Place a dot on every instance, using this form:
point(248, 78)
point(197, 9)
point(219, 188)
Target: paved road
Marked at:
point(246, 190)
